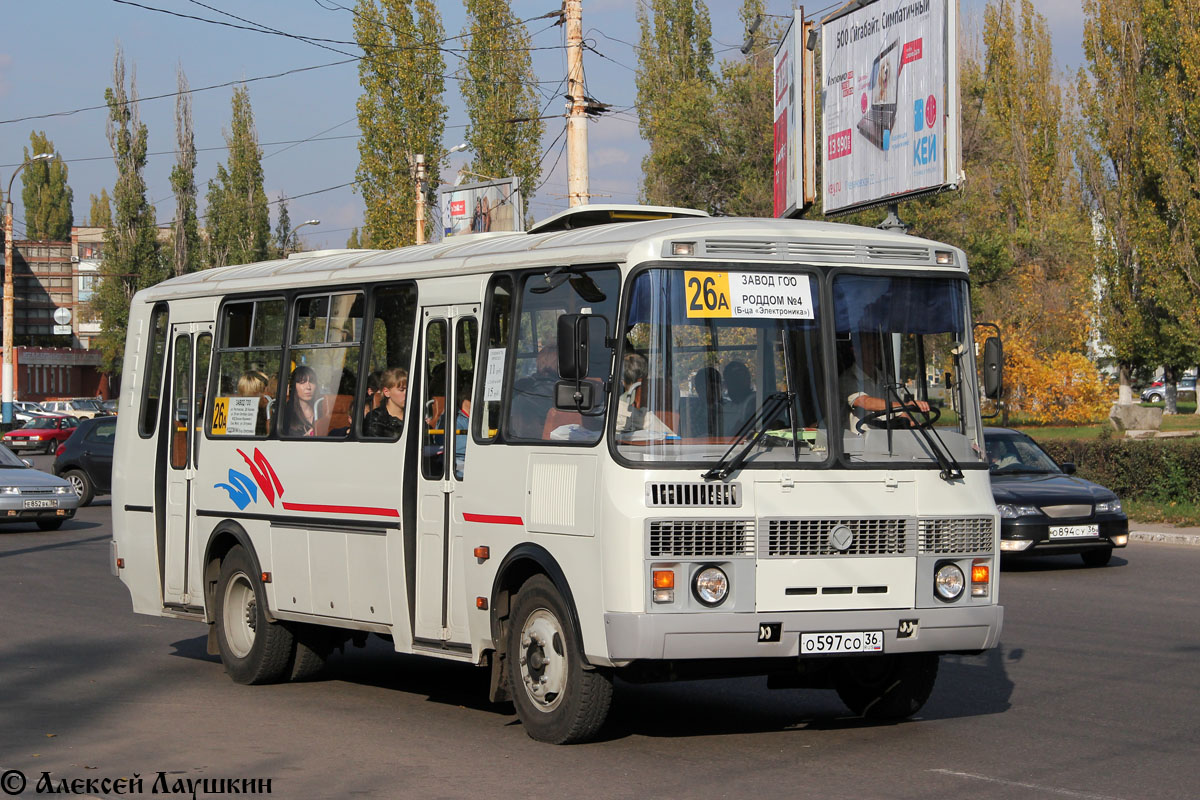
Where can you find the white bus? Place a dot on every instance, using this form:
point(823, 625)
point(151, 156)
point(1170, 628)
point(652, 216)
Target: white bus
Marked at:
point(635, 442)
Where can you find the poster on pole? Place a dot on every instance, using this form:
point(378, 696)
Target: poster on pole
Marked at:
point(889, 102)
point(795, 160)
point(482, 207)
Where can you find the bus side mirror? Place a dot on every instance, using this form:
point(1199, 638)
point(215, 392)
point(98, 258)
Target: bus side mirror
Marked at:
point(993, 368)
point(573, 347)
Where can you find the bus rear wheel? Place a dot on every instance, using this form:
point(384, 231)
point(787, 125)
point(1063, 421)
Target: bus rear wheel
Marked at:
point(253, 649)
point(558, 700)
point(887, 687)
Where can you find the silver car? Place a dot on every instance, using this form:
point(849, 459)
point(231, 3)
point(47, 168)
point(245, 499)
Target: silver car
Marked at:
point(30, 495)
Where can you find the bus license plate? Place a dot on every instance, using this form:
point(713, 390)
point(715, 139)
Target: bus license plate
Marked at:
point(1071, 531)
point(853, 642)
point(41, 503)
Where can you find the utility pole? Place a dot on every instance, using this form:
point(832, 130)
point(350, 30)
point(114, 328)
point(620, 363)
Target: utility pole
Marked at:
point(577, 156)
point(6, 370)
point(419, 164)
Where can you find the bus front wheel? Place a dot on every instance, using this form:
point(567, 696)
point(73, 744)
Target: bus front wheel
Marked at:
point(253, 649)
point(887, 687)
point(558, 700)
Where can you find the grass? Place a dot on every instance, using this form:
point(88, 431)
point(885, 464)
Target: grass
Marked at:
point(1183, 514)
point(1185, 420)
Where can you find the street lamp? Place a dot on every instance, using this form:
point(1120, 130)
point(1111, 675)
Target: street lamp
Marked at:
point(7, 368)
point(301, 225)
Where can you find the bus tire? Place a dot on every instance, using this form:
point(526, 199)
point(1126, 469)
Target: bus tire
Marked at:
point(313, 645)
point(557, 699)
point(252, 649)
point(887, 687)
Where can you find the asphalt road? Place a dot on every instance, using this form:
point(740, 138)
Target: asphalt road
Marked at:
point(1092, 694)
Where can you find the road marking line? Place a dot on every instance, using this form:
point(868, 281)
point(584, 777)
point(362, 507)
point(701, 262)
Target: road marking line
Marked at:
point(1023, 785)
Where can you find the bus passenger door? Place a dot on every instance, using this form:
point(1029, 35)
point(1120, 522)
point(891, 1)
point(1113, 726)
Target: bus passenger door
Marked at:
point(180, 425)
point(450, 338)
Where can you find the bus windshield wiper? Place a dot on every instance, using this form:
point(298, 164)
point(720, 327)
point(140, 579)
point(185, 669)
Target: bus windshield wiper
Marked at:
point(950, 467)
point(727, 466)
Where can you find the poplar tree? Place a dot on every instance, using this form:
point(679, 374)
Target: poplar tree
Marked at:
point(352, 242)
point(675, 103)
point(131, 259)
point(45, 193)
point(283, 230)
point(497, 84)
point(100, 210)
point(401, 112)
point(185, 229)
point(238, 222)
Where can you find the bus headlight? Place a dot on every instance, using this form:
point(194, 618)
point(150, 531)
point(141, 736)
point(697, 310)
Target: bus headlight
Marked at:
point(711, 586)
point(949, 582)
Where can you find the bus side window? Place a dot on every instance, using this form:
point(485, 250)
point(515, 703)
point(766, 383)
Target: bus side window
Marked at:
point(325, 359)
point(248, 358)
point(491, 386)
point(152, 380)
point(389, 342)
point(433, 405)
point(466, 341)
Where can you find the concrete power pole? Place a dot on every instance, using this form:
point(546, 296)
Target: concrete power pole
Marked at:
point(420, 169)
point(577, 156)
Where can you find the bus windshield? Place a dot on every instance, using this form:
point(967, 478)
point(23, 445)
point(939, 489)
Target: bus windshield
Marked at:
point(759, 364)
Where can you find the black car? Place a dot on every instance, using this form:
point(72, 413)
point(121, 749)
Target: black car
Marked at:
point(1044, 508)
point(86, 458)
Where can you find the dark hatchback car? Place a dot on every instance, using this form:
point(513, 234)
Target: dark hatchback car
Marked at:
point(1045, 509)
point(85, 461)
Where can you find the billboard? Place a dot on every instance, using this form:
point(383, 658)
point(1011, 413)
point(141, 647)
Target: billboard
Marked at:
point(482, 207)
point(889, 102)
point(795, 162)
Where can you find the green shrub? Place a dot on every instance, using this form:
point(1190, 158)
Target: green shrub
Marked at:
point(1164, 470)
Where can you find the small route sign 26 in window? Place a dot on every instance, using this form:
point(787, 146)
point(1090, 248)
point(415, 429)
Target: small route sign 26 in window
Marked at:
point(748, 294)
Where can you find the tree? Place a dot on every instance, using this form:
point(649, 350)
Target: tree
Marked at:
point(497, 84)
point(239, 224)
point(401, 112)
point(283, 230)
point(675, 103)
point(352, 242)
point(743, 121)
point(131, 259)
point(45, 193)
point(185, 229)
point(100, 210)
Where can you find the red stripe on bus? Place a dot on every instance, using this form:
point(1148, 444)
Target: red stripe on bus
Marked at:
point(366, 510)
point(495, 519)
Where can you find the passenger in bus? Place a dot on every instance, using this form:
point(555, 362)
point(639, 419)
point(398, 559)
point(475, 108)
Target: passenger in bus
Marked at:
point(634, 420)
point(386, 421)
point(704, 411)
point(461, 420)
point(864, 380)
point(300, 412)
point(743, 400)
point(374, 397)
point(533, 396)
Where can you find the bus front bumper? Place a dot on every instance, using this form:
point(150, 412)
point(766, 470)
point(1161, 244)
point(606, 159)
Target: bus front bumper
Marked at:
point(773, 635)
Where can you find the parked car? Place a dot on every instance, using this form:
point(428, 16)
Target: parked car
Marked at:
point(110, 405)
point(41, 433)
point(23, 410)
point(81, 407)
point(1156, 392)
point(1045, 509)
point(29, 495)
point(85, 461)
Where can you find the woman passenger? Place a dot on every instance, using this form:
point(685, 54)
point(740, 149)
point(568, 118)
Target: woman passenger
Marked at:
point(386, 421)
point(300, 413)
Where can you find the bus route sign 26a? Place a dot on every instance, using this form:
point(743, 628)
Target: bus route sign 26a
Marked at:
point(748, 294)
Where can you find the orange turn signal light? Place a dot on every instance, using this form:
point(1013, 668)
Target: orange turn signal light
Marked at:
point(481, 603)
point(979, 573)
point(266, 577)
point(664, 578)
point(120, 563)
point(483, 553)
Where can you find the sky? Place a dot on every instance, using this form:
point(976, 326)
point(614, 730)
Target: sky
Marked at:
point(57, 57)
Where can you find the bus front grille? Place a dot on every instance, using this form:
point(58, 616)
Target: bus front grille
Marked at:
point(798, 538)
point(681, 494)
point(688, 538)
point(952, 535)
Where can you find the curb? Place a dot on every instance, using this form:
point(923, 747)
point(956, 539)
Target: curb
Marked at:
point(1165, 538)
